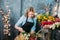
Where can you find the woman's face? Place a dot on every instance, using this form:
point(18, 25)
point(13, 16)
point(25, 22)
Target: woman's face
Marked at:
point(30, 14)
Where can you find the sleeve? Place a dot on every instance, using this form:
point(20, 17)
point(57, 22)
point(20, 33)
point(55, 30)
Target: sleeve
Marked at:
point(34, 26)
point(20, 21)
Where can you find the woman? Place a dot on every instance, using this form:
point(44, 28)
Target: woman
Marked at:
point(27, 22)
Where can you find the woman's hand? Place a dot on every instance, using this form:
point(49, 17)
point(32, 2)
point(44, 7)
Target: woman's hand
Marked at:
point(19, 29)
point(32, 32)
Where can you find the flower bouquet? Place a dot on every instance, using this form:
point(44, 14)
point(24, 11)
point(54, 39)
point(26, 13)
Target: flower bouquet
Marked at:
point(26, 36)
point(23, 36)
point(48, 21)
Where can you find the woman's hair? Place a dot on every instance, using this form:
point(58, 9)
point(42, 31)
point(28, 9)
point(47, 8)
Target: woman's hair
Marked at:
point(30, 9)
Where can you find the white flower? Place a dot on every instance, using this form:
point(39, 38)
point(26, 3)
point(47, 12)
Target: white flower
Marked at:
point(52, 26)
point(24, 34)
point(9, 34)
point(28, 35)
point(9, 25)
point(26, 38)
point(57, 23)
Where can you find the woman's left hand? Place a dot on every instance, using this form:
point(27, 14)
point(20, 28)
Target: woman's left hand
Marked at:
point(32, 32)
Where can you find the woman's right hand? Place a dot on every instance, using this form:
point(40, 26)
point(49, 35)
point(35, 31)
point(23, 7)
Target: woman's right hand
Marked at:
point(19, 29)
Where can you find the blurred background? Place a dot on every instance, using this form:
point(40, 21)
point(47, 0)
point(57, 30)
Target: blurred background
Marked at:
point(17, 9)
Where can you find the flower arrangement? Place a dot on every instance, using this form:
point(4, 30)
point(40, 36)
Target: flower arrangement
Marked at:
point(26, 36)
point(6, 22)
point(45, 17)
point(48, 21)
point(23, 36)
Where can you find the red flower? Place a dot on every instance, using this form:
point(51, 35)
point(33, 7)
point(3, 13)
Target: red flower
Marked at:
point(43, 23)
point(49, 23)
point(46, 23)
point(32, 38)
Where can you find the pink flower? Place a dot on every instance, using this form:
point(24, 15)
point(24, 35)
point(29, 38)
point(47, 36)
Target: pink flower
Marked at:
point(46, 26)
point(57, 19)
